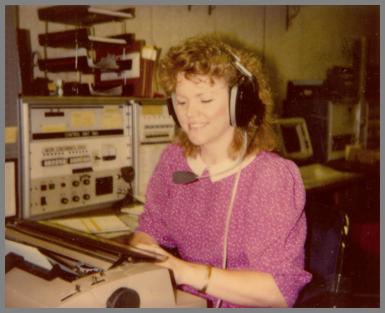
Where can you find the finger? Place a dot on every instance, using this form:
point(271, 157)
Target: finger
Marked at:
point(155, 249)
point(148, 247)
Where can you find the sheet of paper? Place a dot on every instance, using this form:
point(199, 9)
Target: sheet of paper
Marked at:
point(30, 254)
point(149, 155)
point(111, 118)
point(83, 119)
point(94, 224)
point(135, 209)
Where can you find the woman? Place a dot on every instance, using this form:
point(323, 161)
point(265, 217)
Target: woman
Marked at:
point(239, 229)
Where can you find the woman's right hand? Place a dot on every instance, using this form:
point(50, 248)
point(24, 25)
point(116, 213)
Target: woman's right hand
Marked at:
point(142, 238)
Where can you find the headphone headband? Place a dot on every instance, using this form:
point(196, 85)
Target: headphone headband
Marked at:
point(237, 63)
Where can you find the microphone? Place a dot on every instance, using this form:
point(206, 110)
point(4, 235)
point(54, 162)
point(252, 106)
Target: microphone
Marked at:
point(188, 177)
point(184, 177)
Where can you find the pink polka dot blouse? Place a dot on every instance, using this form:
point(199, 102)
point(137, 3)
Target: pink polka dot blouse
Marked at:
point(267, 229)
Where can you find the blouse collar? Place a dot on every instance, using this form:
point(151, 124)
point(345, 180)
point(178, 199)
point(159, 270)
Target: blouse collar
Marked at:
point(220, 170)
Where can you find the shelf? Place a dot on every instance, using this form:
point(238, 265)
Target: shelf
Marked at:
point(82, 15)
point(117, 62)
point(84, 64)
point(82, 38)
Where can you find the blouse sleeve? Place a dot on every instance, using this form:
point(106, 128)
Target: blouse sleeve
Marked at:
point(279, 220)
point(152, 221)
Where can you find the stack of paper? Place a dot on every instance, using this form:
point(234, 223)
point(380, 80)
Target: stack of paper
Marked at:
point(94, 224)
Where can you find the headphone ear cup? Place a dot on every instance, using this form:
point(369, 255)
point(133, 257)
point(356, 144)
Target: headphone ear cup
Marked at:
point(171, 110)
point(233, 105)
point(244, 108)
point(247, 102)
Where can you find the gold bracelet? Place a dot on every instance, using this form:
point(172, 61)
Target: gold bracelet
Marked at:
point(209, 269)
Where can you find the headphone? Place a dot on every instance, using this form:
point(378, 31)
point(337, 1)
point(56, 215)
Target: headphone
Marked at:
point(244, 101)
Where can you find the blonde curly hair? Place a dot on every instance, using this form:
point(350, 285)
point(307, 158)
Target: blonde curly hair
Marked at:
point(208, 55)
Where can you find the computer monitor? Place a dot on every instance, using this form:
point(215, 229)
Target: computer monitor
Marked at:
point(293, 137)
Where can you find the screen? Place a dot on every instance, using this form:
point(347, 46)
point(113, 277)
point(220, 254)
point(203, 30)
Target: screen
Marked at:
point(293, 136)
point(290, 138)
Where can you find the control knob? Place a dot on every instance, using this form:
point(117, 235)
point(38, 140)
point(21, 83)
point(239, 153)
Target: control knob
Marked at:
point(64, 200)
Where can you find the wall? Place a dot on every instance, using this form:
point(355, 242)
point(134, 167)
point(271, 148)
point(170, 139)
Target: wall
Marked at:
point(318, 38)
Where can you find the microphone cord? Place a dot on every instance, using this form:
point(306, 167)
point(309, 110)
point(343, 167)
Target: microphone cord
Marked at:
point(227, 225)
point(230, 208)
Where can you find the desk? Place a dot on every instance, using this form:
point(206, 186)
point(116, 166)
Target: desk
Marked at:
point(317, 175)
point(356, 195)
point(146, 286)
